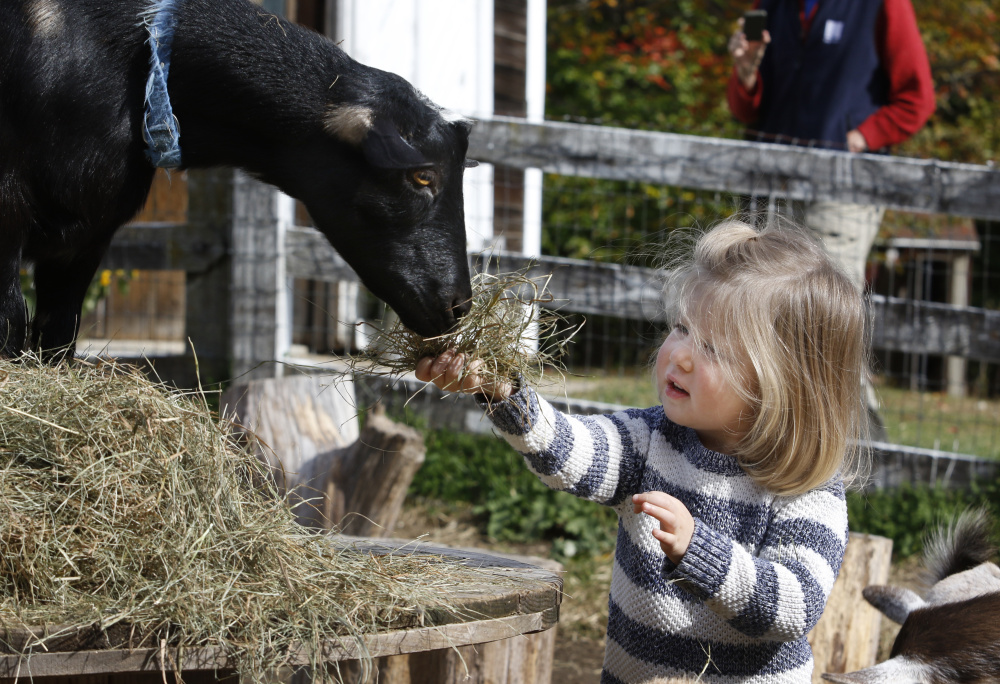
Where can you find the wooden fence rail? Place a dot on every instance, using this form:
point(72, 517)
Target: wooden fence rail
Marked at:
point(737, 166)
point(236, 228)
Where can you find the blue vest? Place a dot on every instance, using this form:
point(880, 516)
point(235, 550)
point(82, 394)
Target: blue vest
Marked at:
point(818, 89)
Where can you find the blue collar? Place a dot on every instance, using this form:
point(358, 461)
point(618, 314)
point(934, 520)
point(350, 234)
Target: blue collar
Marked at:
point(160, 128)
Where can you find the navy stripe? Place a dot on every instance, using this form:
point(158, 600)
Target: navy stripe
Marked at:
point(812, 593)
point(808, 534)
point(553, 459)
point(632, 465)
point(688, 654)
point(707, 560)
point(514, 416)
point(644, 569)
point(594, 477)
point(759, 614)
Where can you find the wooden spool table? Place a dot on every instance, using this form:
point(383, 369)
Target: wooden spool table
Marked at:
point(526, 602)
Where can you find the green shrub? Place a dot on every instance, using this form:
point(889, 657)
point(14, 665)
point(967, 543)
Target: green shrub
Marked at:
point(509, 502)
point(908, 513)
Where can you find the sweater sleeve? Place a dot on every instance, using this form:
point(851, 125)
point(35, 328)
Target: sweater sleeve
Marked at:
point(911, 90)
point(778, 594)
point(600, 458)
point(743, 103)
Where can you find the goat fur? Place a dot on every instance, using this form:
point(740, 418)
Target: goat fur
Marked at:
point(952, 635)
point(251, 91)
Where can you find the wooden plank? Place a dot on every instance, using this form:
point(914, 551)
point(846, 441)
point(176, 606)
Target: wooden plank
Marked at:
point(73, 663)
point(738, 166)
point(920, 327)
point(846, 637)
point(607, 289)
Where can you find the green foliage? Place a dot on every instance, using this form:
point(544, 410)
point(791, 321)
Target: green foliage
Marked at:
point(907, 514)
point(963, 46)
point(663, 65)
point(509, 502)
point(652, 64)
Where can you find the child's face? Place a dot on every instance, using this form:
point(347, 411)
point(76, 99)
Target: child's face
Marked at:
point(696, 392)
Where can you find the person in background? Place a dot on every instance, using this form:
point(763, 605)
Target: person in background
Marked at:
point(843, 74)
point(732, 519)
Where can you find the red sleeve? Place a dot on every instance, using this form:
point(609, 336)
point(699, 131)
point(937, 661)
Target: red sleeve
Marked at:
point(743, 104)
point(911, 90)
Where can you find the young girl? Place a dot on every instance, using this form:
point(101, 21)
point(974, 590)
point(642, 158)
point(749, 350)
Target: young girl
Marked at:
point(730, 496)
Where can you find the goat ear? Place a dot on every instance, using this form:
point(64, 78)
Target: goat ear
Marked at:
point(896, 603)
point(385, 148)
point(349, 123)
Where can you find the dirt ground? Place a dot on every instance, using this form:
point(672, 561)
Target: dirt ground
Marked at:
point(578, 658)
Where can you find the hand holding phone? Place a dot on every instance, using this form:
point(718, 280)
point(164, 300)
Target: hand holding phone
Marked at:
point(754, 23)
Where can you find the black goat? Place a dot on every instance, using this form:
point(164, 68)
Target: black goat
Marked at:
point(378, 166)
point(952, 635)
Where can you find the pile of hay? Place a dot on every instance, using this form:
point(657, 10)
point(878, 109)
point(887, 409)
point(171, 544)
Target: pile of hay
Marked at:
point(126, 505)
point(510, 328)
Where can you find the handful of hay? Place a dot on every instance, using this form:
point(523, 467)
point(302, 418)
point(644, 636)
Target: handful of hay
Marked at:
point(509, 329)
point(127, 509)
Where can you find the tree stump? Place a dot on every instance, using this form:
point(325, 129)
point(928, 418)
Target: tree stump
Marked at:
point(307, 431)
point(360, 489)
point(846, 637)
point(294, 419)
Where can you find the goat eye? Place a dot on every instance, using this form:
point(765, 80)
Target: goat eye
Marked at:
point(423, 177)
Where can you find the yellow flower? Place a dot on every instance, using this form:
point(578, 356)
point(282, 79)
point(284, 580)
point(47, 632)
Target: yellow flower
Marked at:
point(105, 278)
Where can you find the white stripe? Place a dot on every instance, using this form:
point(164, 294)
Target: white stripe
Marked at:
point(675, 467)
point(736, 591)
point(819, 568)
point(790, 619)
point(688, 619)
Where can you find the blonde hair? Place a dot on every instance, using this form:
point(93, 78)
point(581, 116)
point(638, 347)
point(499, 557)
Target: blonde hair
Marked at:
point(790, 329)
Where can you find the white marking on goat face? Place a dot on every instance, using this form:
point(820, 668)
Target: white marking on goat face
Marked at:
point(349, 123)
point(45, 17)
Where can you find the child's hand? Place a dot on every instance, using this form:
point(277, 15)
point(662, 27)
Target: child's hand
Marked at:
point(676, 522)
point(448, 371)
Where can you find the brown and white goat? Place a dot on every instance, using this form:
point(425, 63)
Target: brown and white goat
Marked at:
point(952, 634)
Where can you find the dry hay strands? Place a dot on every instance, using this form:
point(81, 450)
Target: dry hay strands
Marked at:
point(512, 329)
point(127, 509)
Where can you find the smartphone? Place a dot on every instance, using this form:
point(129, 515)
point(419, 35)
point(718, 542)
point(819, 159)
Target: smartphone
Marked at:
point(754, 23)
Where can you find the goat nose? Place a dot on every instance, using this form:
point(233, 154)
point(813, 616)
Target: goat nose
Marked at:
point(460, 306)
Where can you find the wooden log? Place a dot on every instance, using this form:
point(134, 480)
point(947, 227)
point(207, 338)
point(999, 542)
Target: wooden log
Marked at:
point(360, 489)
point(522, 659)
point(294, 419)
point(306, 427)
point(846, 637)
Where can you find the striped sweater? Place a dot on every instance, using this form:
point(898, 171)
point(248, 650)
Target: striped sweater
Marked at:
point(755, 577)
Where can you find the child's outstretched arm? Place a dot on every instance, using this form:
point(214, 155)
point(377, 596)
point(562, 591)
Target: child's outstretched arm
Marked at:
point(779, 593)
point(600, 458)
